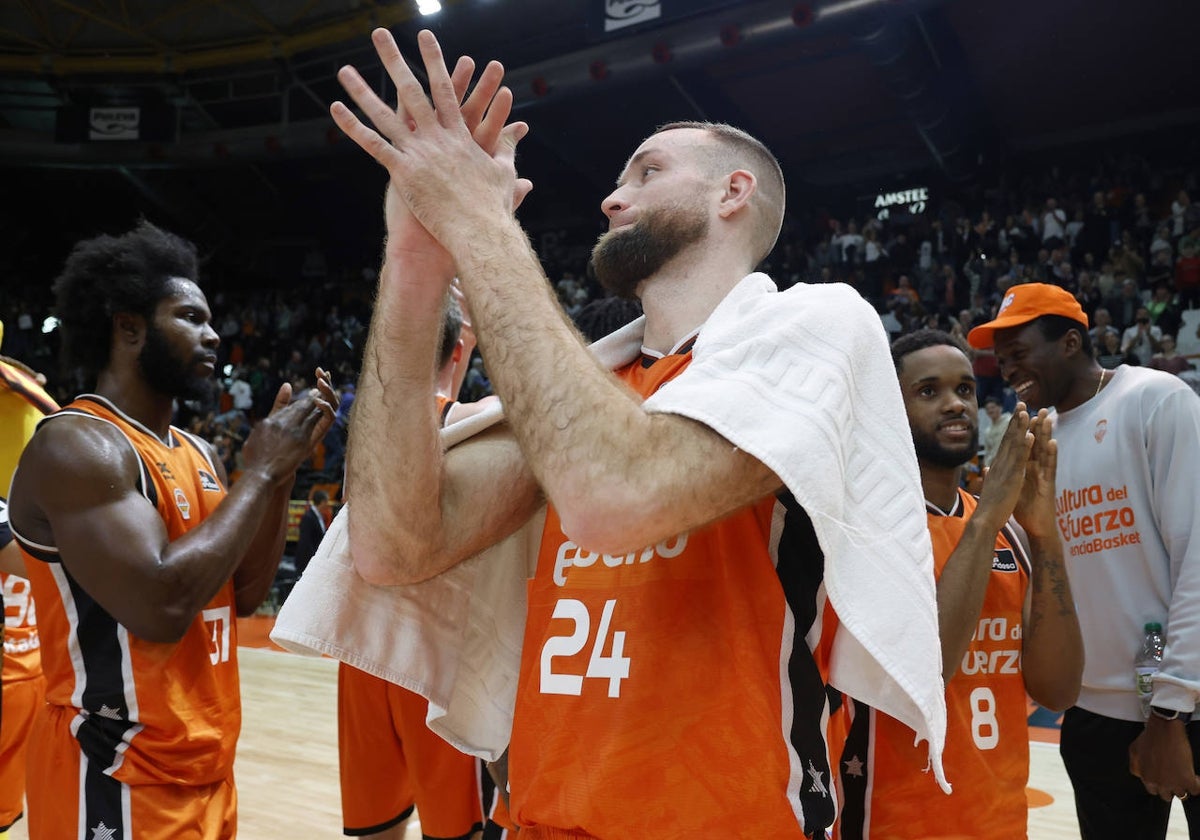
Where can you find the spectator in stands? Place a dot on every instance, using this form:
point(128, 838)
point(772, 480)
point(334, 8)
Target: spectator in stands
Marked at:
point(1161, 242)
point(1141, 338)
point(1124, 306)
point(1168, 359)
point(1125, 260)
point(998, 420)
point(1097, 233)
point(312, 528)
point(240, 392)
point(850, 244)
point(1187, 277)
point(1054, 225)
point(1179, 209)
point(1108, 352)
point(1163, 310)
point(1086, 292)
point(1103, 325)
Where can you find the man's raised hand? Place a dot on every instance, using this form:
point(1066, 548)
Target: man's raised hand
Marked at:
point(431, 148)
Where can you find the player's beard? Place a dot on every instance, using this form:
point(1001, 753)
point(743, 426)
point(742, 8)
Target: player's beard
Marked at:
point(931, 450)
point(623, 258)
point(166, 373)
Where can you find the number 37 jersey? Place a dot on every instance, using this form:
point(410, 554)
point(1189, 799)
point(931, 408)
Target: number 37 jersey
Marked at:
point(143, 712)
point(676, 691)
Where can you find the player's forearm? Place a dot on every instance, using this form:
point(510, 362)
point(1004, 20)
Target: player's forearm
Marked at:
point(256, 572)
point(961, 589)
point(1052, 646)
point(196, 566)
point(394, 460)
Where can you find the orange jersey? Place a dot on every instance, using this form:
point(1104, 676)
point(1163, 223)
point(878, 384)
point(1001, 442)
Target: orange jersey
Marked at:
point(22, 659)
point(672, 692)
point(143, 712)
point(883, 779)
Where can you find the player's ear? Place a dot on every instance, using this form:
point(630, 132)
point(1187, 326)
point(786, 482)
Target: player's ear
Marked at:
point(129, 328)
point(740, 185)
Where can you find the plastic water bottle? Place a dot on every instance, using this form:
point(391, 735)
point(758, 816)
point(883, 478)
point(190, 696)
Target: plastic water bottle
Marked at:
point(1146, 664)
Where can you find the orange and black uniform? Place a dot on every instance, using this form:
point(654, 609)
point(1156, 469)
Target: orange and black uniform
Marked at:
point(392, 763)
point(24, 690)
point(677, 691)
point(136, 738)
point(23, 403)
point(885, 789)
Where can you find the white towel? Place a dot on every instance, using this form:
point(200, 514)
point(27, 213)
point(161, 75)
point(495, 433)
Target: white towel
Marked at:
point(814, 398)
point(454, 639)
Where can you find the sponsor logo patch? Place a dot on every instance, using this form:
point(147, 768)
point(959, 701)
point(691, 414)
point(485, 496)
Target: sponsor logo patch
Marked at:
point(208, 481)
point(1004, 561)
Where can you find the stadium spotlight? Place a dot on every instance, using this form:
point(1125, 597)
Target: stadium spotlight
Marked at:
point(428, 7)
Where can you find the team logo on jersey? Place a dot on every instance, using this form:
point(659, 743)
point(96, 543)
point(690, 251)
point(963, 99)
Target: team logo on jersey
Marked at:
point(1101, 430)
point(165, 470)
point(208, 482)
point(1004, 561)
point(181, 502)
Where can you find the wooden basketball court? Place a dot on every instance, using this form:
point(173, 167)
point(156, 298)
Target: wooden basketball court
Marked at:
point(287, 768)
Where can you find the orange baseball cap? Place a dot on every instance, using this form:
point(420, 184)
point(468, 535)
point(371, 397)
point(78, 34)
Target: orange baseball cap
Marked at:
point(1023, 304)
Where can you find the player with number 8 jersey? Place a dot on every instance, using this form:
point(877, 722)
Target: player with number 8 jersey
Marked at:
point(629, 659)
point(1006, 620)
point(884, 788)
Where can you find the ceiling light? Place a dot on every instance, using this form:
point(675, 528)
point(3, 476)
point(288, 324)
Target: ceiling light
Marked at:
point(428, 7)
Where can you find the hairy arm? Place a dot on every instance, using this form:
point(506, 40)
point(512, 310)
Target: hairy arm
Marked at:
point(418, 510)
point(620, 477)
point(963, 582)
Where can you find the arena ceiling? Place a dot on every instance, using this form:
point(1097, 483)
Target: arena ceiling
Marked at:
point(236, 148)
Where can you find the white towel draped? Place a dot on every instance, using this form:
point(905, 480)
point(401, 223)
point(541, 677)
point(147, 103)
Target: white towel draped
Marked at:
point(803, 380)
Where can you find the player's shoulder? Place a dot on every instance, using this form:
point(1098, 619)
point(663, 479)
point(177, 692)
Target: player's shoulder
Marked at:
point(76, 450)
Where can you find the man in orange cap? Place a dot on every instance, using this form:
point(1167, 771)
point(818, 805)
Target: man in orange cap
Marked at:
point(1128, 478)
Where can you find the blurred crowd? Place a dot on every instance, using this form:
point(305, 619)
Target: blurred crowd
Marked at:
point(1121, 235)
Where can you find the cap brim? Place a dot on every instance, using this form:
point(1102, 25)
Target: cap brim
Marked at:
point(982, 337)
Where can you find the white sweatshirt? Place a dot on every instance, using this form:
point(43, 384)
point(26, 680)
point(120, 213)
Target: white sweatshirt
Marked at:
point(1128, 495)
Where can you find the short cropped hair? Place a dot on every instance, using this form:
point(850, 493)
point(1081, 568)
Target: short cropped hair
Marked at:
point(739, 150)
point(598, 318)
point(1054, 327)
point(319, 497)
point(107, 275)
point(908, 344)
point(452, 321)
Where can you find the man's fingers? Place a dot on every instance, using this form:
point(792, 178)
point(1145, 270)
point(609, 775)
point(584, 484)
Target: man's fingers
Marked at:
point(409, 93)
point(381, 115)
point(523, 188)
point(282, 397)
point(481, 97)
point(488, 135)
point(441, 88)
point(460, 77)
point(367, 139)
